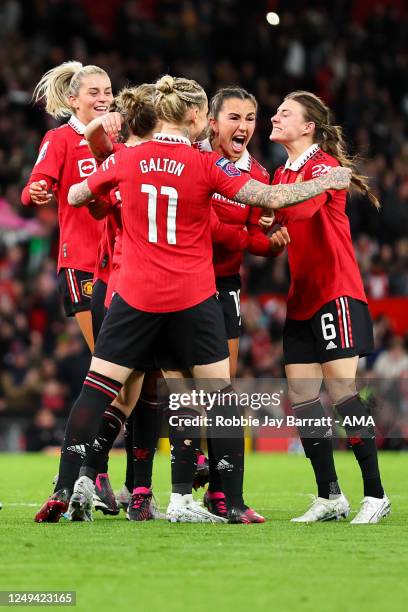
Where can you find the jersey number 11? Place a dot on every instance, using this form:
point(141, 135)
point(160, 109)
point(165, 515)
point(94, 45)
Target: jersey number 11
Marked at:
point(172, 195)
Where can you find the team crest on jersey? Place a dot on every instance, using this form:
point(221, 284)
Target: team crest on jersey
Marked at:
point(86, 166)
point(320, 169)
point(86, 288)
point(300, 178)
point(228, 167)
point(42, 153)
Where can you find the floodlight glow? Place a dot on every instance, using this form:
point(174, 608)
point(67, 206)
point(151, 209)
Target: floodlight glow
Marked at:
point(273, 19)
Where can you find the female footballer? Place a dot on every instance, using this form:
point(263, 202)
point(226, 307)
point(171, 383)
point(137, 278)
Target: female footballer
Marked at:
point(165, 310)
point(80, 93)
point(328, 324)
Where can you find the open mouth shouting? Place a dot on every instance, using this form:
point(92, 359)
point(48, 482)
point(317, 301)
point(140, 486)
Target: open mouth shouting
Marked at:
point(238, 144)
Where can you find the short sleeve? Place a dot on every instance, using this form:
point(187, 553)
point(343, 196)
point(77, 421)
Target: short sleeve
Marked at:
point(224, 177)
point(307, 209)
point(105, 178)
point(51, 155)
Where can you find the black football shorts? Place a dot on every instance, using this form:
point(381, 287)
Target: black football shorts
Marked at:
point(75, 287)
point(229, 289)
point(98, 306)
point(341, 328)
point(171, 340)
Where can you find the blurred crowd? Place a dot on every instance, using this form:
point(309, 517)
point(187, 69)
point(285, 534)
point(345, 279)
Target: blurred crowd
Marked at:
point(357, 61)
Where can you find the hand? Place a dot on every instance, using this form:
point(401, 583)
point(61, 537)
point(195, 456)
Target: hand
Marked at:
point(266, 220)
point(337, 178)
point(98, 209)
point(112, 124)
point(279, 239)
point(38, 193)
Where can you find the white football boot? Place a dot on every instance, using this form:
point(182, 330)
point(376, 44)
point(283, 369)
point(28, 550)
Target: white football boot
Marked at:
point(81, 503)
point(184, 509)
point(323, 509)
point(372, 510)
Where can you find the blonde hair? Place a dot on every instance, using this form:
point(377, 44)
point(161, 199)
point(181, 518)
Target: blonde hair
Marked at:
point(330, 137)
point(136, 105)
point(175, 96)
point(56, 85)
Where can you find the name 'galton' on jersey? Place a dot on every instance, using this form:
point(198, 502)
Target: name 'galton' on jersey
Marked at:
point(167, 248)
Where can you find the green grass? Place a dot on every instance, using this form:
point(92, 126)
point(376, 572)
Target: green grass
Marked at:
point(116, 565)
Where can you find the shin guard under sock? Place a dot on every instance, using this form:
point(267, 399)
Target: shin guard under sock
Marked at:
point(317, 443)
point(128, 435)
point(146, 422)
point(214, 483)
point(185, 444)
point(84, 420)
point(361, 438)
point(96, 459)
point(227, 445)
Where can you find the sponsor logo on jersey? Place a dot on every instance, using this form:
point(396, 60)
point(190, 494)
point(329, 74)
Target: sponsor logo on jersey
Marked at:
point(42, 153)
point(86, 166)
point(220, 198)
point(320, 169)
point(228, 167)
point(86, 288)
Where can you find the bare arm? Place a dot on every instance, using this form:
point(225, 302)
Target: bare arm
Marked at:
point(100, 133)
point(80, 194)
point(274, 197)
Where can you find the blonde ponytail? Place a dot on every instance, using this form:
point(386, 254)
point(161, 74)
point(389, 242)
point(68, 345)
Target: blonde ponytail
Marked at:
point(59, 83)
point(175, 96)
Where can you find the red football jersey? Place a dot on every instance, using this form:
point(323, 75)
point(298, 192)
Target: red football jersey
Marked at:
point(321, 256)
point(227, 262)
point(112, 225)
point(166, 187)
point(65, 159)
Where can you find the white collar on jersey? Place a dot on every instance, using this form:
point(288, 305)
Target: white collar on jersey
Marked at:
point(171, 138)
point(302, 159)
point(243, 163)
point(77, 125)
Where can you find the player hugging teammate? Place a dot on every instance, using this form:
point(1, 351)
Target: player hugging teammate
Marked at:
point(164, 312)
point(328, 324)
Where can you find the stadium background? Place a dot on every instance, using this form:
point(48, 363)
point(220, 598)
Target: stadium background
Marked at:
point(353, 54)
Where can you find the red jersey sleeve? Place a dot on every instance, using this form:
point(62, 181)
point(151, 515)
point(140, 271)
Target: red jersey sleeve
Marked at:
point(229, 236)
point(105, 178)
point(224, 177)
point(52, 151)
point(48, 164)
point(258, 242)
point(306, 210)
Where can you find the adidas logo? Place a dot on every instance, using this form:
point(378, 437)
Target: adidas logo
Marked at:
point(83, 142)
point(331, 345)
point(78, 448)
point(224, 465)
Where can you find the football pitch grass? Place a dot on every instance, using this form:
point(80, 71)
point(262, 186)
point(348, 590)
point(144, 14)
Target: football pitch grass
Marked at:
point(157, 566)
